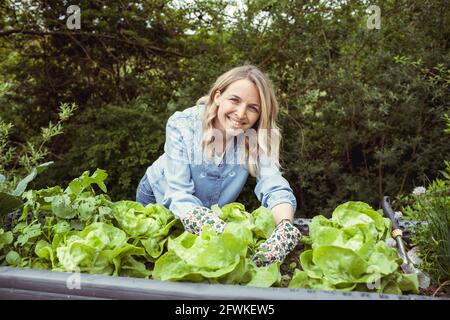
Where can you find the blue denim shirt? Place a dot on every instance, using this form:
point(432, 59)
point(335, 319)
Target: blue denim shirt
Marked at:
point(182, 178)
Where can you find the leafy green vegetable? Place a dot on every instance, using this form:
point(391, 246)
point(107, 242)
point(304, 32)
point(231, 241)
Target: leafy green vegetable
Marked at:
point(223, 258)
point(349, 251)
point(74, 229)
point(264, 277)
point(98, 249)
point(264, 222)
point(149, 225)
point(13, 259)
point(192, 257)
point(5, 238)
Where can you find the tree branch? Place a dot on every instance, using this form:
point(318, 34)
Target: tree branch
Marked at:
point(5, 33)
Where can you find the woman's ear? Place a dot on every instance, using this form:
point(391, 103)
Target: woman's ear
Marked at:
point(216, 97)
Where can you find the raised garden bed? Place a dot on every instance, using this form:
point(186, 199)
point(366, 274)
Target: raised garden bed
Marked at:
point(25, 283)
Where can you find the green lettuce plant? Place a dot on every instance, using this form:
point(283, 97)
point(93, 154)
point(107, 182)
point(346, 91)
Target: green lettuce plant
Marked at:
point(349, 252)
point(149, 226)
point(75, 229)
point(224, 258)
point(98, 249)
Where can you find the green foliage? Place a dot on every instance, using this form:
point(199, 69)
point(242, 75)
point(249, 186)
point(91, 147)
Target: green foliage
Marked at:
point(224, 258)
point(50, 212)
point(431, 208)
point(432, 234)
point(74, 229)
point(447, 120)
point(10, 201)
point(124, 141)
point(349, 252)
point(360, 109)
point(15, 162)
point(27, 159)
point(98, 249)
point(148, 226)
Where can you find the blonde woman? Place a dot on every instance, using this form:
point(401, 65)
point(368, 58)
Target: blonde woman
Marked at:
point(211, 149)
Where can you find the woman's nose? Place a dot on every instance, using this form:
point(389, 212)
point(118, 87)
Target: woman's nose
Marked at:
point(240, 111)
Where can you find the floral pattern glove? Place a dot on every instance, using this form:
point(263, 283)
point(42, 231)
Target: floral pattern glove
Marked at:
point(282, 241)
point(197, 217)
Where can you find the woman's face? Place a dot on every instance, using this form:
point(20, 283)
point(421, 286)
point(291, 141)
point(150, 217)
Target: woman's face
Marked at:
point(239, 107)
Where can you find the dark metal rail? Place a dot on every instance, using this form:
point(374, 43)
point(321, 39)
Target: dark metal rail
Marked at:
point(16, 283)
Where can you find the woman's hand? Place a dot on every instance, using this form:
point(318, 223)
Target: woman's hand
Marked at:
point(197, 217)
point(282, 241)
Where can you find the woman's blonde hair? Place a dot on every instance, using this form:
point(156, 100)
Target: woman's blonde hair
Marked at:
point(268, 140)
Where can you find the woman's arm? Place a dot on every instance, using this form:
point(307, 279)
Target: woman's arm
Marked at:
point(283, 211)
point(179, 194)
point(274, 192)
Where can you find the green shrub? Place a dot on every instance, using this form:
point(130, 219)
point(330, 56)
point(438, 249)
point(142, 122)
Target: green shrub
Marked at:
point(123, 141)
point(431, 207)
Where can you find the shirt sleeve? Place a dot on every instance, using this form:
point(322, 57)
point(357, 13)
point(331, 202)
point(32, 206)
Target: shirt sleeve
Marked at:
point(178, 197)
point(271, 188)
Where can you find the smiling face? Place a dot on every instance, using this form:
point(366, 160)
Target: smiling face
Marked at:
point(239, 107)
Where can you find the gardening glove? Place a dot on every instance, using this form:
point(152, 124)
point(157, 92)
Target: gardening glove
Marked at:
point(282, 241)
point(197, 217)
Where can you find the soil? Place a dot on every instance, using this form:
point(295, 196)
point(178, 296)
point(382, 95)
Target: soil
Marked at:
point(432, 291)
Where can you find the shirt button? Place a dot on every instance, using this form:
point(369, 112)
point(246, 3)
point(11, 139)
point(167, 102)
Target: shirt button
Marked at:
point(232, 173)
point(202, 174)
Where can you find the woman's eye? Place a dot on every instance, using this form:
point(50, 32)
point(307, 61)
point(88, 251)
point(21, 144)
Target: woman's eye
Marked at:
point(254, 108)
point(234, 100)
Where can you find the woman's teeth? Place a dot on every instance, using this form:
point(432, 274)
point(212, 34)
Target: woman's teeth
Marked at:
point(235, 123)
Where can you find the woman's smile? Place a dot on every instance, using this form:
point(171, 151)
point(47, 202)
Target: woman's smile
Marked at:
point(236, 123)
